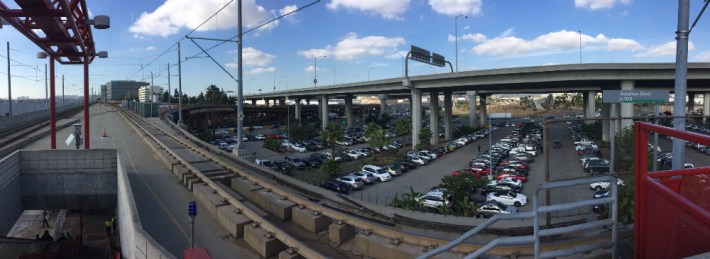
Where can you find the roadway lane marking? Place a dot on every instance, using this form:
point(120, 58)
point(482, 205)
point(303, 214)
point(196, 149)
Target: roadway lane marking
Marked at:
point(155, 195)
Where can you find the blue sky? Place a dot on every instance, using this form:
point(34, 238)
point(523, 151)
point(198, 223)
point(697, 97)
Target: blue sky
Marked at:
point(360, 39)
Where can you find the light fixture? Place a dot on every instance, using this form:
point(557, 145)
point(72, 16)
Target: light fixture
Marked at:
point(99, 22)
point(42, 55)
point(3, 22)
point(102, 54)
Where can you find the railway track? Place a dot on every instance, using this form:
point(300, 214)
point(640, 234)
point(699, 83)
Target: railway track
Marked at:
point(22, 131)
point(374, 235)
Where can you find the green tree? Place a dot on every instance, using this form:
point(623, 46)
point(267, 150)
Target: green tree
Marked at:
point(624, 147)
point(424, 138)
point(332, 133)
point(408, 200)
point(331, 168)
point(462, 185)
point(272, 144)
point(376, 138)
point(577, 100)
point(403, 127)
point(527, 102)
point(548, 103)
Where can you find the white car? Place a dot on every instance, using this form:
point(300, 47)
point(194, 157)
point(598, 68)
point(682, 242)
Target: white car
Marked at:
point(354, 154)
point(433, 199)
point(428, 153)
point(298, 148)
point(511, 181)
point(380, 174)
point(261, 137)
point(508, 198)
point(392, 171)
point(604, 185)
point(418, 160)
point(367, 177)
point(337, 158)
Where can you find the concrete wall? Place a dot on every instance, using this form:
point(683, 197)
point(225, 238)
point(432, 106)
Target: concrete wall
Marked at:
point(68, 179)
point(10, 191)
point(135, 242)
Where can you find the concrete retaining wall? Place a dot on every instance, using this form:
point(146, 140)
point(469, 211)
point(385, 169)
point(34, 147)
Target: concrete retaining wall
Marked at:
point(68, 179)
point(135, 242)
point(10, 191)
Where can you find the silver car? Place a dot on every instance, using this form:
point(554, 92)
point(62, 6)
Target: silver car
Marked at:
point(353, 181)
point(367, 177)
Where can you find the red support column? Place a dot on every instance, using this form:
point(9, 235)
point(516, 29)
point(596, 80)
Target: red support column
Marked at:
point(87, 136)
point(52, 108)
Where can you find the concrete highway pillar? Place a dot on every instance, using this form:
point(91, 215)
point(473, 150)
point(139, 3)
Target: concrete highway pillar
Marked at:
point(472, 122)
point(320, 109)
point(349, 110)
point(297, 110)
point(706, 106)
point(448, 123)
point(484, 108)
point(253, 101)
point(434, 116)
point(606, 114)
point(627, 109)
point(589, 109)
point(691, 102)
point(383, 104)
point(282, 102)
point(416, 115)
point(324, 110)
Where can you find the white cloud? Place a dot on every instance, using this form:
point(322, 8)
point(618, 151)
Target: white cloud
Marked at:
point(456, 7)
point(555, 41)
point(667, 49)
point(475, 37)
point(253, 57)
point(388, 9)
point(507, 33)
point(310, 69)
point(352, 47)
point(288, 9)
point(260, 70)
point(598, 4)
point(174, 15)
point(704, 56)
point(150, 48)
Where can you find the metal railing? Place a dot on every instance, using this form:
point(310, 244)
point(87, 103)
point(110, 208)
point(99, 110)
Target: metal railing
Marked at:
point(539, 233)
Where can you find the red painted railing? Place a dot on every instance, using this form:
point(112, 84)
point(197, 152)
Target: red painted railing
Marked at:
point(672, 209)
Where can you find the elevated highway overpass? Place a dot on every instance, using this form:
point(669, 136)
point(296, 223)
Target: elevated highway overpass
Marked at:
point(588, 79)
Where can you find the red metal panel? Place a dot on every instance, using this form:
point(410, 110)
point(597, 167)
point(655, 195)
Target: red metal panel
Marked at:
point(672, 209)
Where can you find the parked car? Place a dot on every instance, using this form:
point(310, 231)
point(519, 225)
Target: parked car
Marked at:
point(508, 198)
point(604, 185)
point(352, 181)
point(296, 162)
point(336, 186)
point(381, 174)
point(366, 177)
point(491, 208)
point(598, 195)
point(557, 144)
point(417, 160)
point(434, 199)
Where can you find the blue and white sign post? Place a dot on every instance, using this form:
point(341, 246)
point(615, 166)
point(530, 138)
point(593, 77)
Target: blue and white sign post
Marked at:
point(192, 212)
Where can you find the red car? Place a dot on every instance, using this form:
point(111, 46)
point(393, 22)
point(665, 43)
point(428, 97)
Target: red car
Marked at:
point(522, 178)
point(477, 174)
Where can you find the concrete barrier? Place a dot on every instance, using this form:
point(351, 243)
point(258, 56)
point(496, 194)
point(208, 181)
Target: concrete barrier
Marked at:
point(340, 232)
point(310, 220)
point(264, 244)
point(274, 204)
point(375, 246)
point(10, 192)
point(245, 187)
point(208, 198)
point(289, 254)
point(232, 220)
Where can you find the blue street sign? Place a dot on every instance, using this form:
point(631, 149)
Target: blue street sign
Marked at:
point(192, 209)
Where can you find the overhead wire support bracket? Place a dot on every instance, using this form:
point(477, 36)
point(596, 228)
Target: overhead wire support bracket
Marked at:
point(212, 39)
point(210, 56)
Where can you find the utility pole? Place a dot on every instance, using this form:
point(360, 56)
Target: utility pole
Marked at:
point(180, 122)
point(240, 89)
point(169, 91)
point(9, 80)
point(46, 95)
point(62, 89)
point(681, 81)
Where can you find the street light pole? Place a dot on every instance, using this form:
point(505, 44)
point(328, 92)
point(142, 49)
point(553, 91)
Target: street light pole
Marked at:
point(368, 73)
point(180, 122)
point(275, 71)
point(9, 81)
point(315, 70)
point(333, 73)
point(456, 38)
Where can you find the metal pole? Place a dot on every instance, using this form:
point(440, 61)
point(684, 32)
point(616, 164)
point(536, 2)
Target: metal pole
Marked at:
point(62, 89)
point(240, 90)
point(170, 93)
point(612, 137)
point(192, 232)
point(46, 95)
point(52, 106)
point(87, 136)
point(315, 71)
point(655, 140)
point(9, 80)
point(180, 122)
point(681, 74)
point(580, 47)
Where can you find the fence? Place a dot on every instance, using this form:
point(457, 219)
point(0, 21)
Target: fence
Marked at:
point(672, 209)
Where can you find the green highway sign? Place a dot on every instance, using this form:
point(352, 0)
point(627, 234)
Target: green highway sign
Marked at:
point(635, 96)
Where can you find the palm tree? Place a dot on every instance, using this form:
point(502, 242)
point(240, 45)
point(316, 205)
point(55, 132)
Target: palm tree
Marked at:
point(403, 127)
point(332, 133)
point(376, 138)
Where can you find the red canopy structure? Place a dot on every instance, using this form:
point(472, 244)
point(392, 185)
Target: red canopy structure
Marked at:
point(61, 28)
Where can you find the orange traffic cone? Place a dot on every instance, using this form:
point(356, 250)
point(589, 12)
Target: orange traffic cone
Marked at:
point(104, 135)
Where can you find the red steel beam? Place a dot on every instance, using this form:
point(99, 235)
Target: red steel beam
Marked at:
point(52, 108)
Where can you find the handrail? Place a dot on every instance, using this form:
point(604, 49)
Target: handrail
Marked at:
point(537, 210)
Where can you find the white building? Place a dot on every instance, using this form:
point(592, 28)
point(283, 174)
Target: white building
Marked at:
point(149, 93)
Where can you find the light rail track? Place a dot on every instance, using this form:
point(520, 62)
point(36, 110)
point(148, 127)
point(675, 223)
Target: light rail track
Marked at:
point(211, 166)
